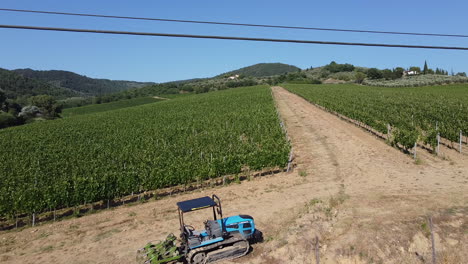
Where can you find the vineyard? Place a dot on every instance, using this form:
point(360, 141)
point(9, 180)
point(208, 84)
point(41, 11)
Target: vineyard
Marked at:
point(415, 114)
point(102, 156)
point(418, 80)
point(97, 108)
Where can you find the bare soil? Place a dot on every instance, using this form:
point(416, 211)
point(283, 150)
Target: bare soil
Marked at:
point(365, 201)
point(161, 98)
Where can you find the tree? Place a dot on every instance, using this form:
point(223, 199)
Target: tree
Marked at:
point(463, 74)
point(334, 67)
point(374, 73)
point(415, 68)
point(6, 120)
point(97, 100)
point(47, 104)
point(387, 74)
point(425, 67)
point(29, 112)
point(398, 72)
point(12, 107)
point(2, 98)
point(360, 76)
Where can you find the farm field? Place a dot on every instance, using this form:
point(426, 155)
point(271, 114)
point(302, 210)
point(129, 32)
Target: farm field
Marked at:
point(414, 113)
point(102, 156)
point(366, 201)
point(97, 108)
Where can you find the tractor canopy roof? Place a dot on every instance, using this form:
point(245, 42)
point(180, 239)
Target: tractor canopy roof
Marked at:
point(196, 204)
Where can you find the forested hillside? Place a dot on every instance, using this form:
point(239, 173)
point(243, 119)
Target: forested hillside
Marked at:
point(80, 83)
point(15, 86)
point(264, 69)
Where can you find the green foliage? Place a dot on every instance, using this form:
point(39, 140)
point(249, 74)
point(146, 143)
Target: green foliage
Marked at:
point(398, 72)
point(418, 80)
point(334, 67)
point(425, 69)
point(76, 102)
point(344, 76)
point(406, 137)
point(359, 77)
point(414, 112)
point(262, 70)
point(11, 107)
point(293, 77)
point(7, 120)
point(30, 112)
point(79, 83)
point(2, 98)
point(374, 73)
point(430, 138)
point(241, 83)
point(441, 71)
point(48, 105)
point(201, 89)
point(97, 108)
point(387, 74)
point(414, 68)
point(16, 86)
point(86, 158)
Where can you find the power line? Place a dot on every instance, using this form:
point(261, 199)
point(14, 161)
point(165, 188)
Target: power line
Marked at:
point(237, 24)
point(231, 38)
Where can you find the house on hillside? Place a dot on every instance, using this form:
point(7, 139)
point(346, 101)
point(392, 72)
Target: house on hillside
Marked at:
point(408, 73)
point(233, 77)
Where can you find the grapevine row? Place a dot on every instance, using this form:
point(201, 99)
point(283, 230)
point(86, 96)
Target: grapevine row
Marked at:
point(102, 156)
point(413, 113)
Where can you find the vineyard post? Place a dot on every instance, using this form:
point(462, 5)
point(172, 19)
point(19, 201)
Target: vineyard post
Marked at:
point(34, 213)
point(388, 132)
point(438, 142)
point(317, 251)
point(414, 152)
point(461, 141)
point(432, 241)
point(289, 160)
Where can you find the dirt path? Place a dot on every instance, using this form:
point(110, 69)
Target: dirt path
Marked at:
point(364, 200)
point(161, 98)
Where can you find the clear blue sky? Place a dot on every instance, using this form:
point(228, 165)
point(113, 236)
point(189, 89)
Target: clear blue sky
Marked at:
point(161, 59)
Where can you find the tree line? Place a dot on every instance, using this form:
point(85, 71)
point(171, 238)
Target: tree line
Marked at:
point(39, 107)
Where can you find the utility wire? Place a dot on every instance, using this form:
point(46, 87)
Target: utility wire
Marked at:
point(231, 38)
point(237, 24)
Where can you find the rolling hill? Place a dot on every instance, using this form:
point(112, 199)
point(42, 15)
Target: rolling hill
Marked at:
point(79, 83)
point(16, 86)
point(263, 70)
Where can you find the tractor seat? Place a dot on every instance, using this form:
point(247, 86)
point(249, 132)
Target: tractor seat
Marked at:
point(193, 237)
point(194, 241)
point(213, 229)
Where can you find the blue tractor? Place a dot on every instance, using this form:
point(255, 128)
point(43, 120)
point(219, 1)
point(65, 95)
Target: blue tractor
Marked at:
point(222, 239)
